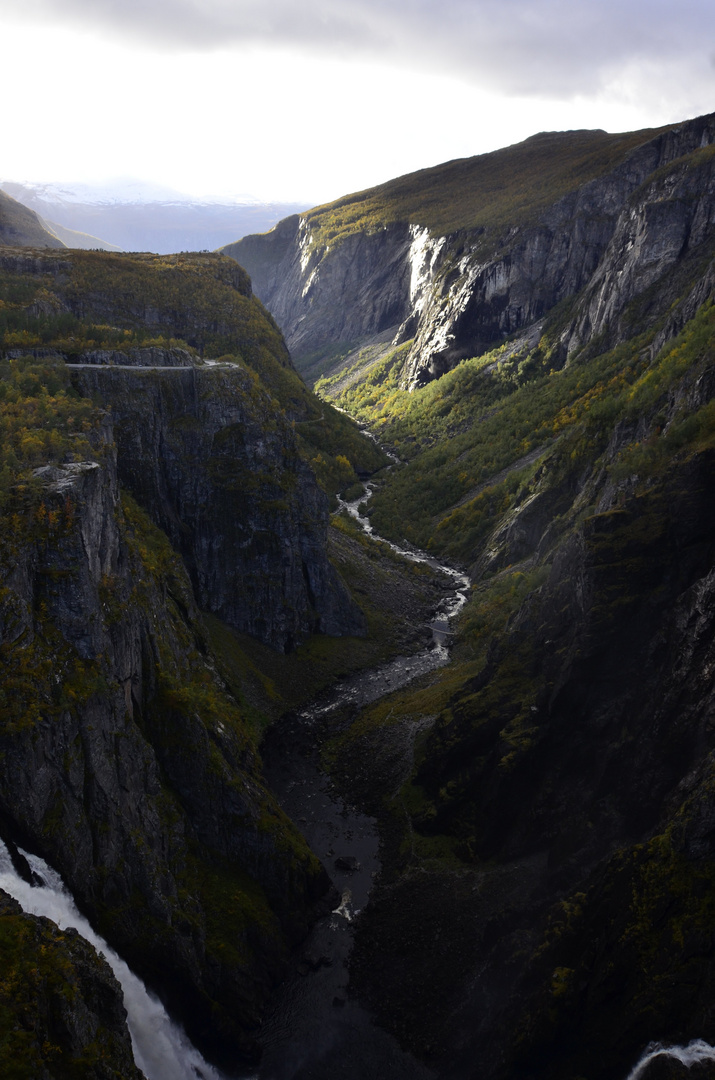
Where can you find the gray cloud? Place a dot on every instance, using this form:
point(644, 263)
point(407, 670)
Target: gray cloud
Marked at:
point(554, 47)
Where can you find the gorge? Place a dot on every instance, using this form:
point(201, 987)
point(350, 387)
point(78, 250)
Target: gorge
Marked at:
point(226, 693)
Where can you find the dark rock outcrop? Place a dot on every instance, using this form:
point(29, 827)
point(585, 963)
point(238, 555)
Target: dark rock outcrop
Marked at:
point(125, 763)
point(216, 466)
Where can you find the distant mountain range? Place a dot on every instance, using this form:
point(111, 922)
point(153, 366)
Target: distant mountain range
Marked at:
point(20, 227)
point(130, 215)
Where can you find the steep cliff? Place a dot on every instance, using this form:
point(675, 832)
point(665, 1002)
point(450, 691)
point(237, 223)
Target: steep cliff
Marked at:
point(126, 763)
point(325, 297)
point(217, 466)
point(458, 270)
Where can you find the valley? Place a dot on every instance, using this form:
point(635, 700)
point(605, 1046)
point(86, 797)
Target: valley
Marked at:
point(254, 659)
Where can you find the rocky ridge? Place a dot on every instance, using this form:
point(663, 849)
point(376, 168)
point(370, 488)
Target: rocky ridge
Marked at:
point(545, 802)
point(461, 294)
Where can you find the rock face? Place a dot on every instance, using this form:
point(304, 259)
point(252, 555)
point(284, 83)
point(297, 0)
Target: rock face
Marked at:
point(460, 295)
point(127, 766)
point(215, 464)
point(151, 356)
point(323, 297)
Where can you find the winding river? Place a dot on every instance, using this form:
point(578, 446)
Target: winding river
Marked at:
point(316, 1029)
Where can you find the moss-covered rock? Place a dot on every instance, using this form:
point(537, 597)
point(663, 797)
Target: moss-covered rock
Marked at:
point(127, 764)
point(61, 1010)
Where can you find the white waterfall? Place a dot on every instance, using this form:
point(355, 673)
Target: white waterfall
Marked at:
point(161, 1049)
point(693, 1054)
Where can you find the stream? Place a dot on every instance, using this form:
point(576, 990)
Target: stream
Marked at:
point(316, 1029)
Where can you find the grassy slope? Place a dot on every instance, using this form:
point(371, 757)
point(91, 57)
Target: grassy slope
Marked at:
point(464, 730)
point(474, 439)
point(507, 187)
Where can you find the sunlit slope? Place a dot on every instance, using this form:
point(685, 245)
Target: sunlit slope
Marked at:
point(507, 187)
point(504, 430)
point(73, 238)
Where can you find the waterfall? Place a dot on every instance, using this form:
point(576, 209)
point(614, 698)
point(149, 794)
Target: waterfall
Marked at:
point(161, 1049)
point(692, 1054)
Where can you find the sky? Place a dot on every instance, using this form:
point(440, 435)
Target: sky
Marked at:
point(306, 101)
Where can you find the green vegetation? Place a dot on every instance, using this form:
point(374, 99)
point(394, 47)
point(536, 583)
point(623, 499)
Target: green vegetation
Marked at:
point(506, 188)
point(84, 301)
point(42, 421)
point(477, 441)
point(52, 991)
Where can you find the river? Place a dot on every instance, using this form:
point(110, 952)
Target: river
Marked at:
point(316, 1029)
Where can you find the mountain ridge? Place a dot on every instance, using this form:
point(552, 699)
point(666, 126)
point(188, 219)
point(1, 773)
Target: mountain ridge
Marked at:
point(146, 218)
point(545, 801)
point(450, 293)
point(22, 227)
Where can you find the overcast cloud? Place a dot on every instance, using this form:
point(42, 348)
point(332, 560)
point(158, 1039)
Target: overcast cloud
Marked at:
point(554, 47)
point(306, 100)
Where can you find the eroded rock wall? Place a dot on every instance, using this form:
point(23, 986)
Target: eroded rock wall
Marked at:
point(215, 464)
point(125, 763)
point(322, 297)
